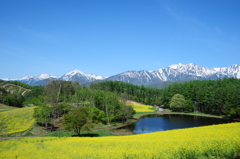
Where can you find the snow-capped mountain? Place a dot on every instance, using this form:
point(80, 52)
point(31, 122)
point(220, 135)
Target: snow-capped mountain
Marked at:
point(35, 80)
point(134, 77)
point(74, 75)
point(81, 77)
point(182, 72)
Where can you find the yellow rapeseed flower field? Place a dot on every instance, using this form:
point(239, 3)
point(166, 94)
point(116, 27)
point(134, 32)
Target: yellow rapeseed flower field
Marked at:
point(218, 141)
point(16, 120)
point(142, 108)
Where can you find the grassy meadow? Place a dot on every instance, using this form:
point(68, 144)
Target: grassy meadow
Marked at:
point(16, 120)
point(142, 108)
point(217, 141)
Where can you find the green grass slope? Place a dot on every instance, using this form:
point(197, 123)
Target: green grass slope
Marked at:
point(16, 120)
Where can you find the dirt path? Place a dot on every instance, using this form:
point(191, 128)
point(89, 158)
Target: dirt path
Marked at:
point(25, 92)
point(8, 138)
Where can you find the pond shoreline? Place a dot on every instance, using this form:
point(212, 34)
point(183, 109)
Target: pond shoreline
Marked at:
point(135, 119)
point(163, 121)
point(158, 113)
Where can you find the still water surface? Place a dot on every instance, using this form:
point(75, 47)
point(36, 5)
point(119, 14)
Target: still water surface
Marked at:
point(153, 123)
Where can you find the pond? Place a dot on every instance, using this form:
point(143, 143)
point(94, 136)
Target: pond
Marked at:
point(156, 122)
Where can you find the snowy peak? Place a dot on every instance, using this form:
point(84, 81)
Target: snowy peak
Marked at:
point(40, 77)
point(79, 73)
point(74, 72)
point(81, 77)
point(190, 69)
point(177, 66)
point(233, 71)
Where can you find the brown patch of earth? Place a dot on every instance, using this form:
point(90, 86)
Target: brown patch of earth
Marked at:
point(3, 106)
point(59, 123)
point(37, 131)
point(122, 132)
point(132, 102)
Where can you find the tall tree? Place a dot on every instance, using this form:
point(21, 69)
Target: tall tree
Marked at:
point(177, 102)
point(77, 119)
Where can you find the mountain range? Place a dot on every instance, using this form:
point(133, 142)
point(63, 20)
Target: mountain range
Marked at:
point(176, 72)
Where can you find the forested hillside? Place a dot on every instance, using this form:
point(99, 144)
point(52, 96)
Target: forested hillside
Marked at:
point(15, 93)
point(214, 97)
point(140, 94)
point(219, 97)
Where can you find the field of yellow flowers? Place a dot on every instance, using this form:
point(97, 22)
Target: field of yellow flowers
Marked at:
point(218, 141)
point(142, 108)
point(16, 120)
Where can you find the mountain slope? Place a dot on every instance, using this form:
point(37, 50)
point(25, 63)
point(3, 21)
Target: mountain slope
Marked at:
point(81, 77)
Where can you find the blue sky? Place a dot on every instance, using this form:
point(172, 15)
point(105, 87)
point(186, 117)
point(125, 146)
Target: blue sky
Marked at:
point(107, 37)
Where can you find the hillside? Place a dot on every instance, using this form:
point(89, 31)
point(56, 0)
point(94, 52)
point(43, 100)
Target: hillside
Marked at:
point(15, 93)
point(13, 88)
point(15, 120)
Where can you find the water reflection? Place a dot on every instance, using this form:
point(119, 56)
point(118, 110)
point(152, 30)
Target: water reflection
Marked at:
point(153, 123)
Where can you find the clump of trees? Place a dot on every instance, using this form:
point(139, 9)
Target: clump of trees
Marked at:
point(178, 103)
point(11, 99)
point(212, 97)
point(140, 94)
point(63, 98)
point(77, 119)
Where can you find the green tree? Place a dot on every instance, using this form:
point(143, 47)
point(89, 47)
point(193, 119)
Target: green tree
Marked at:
point(233, 113)
point(177, 102)
point(188, 106)
point(129, 111)
point(77, 119)
point(42, 112)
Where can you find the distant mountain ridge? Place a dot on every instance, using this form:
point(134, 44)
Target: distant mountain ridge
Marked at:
point(176, 72)
point(74, 75)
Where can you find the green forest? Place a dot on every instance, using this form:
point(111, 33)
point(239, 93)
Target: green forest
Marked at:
point(218, 97)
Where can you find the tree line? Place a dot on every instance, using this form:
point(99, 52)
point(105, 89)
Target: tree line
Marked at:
point(217, 97)
point(149, 96)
